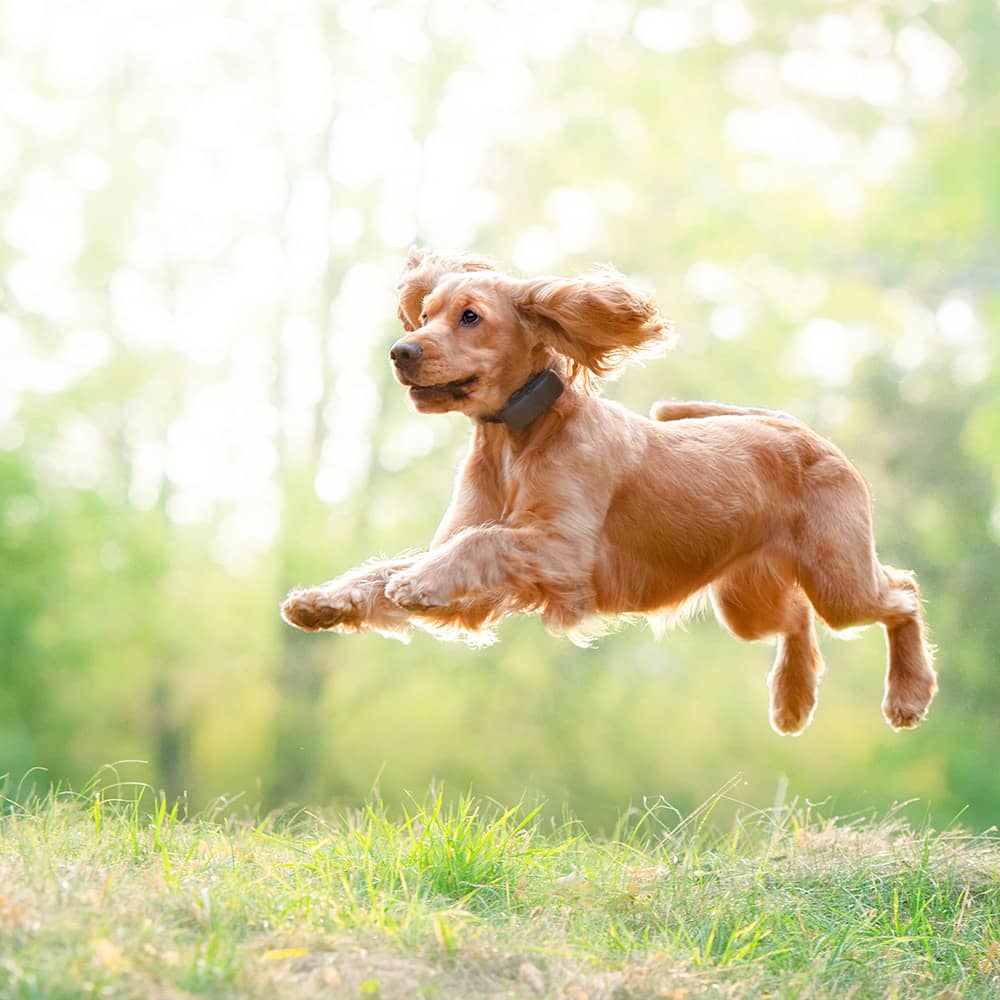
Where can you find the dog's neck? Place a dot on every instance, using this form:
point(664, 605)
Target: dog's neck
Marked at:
point(527, 404)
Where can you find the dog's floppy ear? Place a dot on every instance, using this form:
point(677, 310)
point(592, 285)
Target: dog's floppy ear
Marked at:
point(598, 321)
point(422, 270)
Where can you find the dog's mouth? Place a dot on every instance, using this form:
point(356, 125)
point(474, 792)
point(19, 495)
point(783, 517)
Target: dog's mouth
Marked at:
point(456, 389)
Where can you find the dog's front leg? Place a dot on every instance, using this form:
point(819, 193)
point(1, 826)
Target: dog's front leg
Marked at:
point(354, 602)
point(519, 567)
point(357, 602)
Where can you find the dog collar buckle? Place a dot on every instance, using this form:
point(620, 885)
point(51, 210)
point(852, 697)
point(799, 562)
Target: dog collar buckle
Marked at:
point(534, 398)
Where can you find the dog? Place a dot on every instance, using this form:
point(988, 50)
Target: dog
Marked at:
point(569, 506)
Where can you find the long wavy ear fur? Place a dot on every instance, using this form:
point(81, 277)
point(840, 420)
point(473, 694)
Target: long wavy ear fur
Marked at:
point(597, 321)
point(422, 271)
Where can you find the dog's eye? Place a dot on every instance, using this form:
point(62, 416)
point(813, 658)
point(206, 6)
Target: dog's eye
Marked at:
point(469, 318)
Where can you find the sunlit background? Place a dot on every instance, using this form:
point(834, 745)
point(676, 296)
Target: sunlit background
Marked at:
point(203, 209)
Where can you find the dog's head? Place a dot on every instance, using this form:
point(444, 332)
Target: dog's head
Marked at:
point(474, 335)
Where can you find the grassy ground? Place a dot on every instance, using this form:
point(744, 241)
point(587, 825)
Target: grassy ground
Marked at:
point(122, 896)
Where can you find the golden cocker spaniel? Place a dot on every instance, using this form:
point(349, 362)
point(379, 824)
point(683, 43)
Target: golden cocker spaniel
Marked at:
point(572, 507)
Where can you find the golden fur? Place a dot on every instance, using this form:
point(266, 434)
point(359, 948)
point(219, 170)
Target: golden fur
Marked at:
point(593, 511)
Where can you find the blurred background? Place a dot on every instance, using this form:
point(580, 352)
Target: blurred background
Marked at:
point(203, 209)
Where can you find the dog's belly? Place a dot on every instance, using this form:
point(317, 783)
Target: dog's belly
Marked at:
point(629, 581)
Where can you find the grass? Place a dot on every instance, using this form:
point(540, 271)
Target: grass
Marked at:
point(114, 892)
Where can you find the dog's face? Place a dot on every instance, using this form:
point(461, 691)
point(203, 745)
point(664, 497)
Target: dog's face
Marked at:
point(474, 335)
point(470, 349)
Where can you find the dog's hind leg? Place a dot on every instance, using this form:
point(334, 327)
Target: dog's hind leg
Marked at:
point(848, 586)
point(910, 681)
point(757, 600)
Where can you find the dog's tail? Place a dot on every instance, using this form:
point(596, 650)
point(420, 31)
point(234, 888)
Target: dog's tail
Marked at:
point(696, 410)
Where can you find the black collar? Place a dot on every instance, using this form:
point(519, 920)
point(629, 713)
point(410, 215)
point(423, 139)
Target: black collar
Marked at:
point(533, 399)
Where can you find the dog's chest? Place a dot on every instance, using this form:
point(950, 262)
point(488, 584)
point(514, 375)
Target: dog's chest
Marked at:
point(511, 472)
point(544, 484)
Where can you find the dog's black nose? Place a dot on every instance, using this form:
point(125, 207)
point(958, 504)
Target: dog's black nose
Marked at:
point(404, 353)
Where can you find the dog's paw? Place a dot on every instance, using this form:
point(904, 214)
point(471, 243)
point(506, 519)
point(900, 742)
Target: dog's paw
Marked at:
point(414, 591)
point(792, 705)
point(791, 720)
point(907, 700)
point(904, 714)
point(316, 609)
